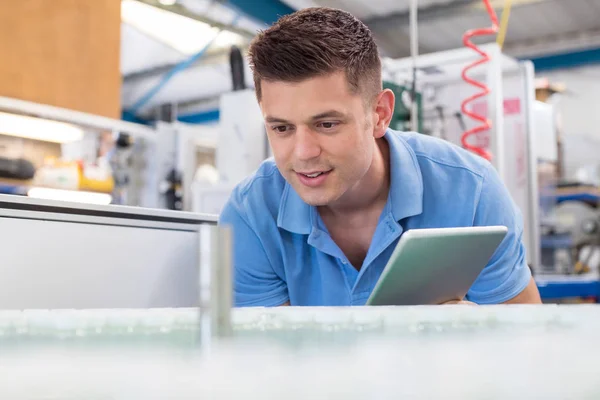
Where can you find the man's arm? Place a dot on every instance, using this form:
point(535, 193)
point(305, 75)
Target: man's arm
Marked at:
point(529, 295)
point(506, 278)
point(255, 281)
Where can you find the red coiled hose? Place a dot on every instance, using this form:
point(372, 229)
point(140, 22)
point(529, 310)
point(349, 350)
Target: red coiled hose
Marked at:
point(485, 122)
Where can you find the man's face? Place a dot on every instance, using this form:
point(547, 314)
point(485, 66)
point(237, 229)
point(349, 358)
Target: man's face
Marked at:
point(321, 135)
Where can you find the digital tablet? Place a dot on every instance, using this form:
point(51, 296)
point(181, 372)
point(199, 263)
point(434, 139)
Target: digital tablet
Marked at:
point(433, 266)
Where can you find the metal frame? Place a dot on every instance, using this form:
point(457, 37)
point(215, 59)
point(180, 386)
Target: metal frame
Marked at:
point(9, 202)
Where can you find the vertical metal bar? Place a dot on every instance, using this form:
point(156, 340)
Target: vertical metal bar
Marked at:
point(535, 256)
point(221, 293)
point(204, 284)
point(216, 289)
point(496, 109)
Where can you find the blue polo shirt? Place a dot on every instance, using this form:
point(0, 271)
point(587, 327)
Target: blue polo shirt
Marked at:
point(283, 252)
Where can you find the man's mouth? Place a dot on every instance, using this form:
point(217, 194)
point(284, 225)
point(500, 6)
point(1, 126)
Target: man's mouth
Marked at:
point(313, 178)
point(313, 174)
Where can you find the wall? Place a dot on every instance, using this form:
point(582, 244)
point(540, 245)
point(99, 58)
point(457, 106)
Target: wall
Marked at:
point(62, 52)
point(579, 109)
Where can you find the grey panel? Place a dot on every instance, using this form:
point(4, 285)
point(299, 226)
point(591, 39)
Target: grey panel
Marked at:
point(53, 264)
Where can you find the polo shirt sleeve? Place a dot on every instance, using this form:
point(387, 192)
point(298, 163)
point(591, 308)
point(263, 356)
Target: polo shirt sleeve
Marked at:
point(507, 273)
point(255, 282)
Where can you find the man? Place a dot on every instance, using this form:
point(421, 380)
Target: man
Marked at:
point(317, 225)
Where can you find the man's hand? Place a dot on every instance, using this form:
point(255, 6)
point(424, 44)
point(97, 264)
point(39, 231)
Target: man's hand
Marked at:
point(530, 295)
point(462, 302)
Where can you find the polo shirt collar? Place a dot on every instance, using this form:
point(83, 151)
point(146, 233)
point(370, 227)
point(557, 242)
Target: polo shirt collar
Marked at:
point(404, 200)
point(406, 182)
point(294, 214)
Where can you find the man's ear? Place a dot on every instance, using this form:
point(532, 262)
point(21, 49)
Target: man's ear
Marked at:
point(383, 109)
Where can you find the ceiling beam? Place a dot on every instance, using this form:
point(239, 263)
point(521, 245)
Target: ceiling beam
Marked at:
point(265, 11)
point(183, 11)
point(394, 22)
point(437, 11)
point(424, 13)
point(218, 58)
point(397, 20)
point(554, 44)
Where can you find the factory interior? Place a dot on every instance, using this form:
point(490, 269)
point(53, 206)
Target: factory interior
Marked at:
point(125, 127)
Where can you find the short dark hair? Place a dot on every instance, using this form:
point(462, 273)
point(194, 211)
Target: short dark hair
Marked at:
point(313, 42)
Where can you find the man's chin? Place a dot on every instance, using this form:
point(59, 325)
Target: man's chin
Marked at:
point(315, 202)
point(318, 199)
point(312, 198)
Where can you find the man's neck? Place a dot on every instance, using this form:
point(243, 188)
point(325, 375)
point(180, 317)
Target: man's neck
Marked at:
point(371, 192)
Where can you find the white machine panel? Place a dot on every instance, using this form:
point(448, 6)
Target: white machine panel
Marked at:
point(242, 144)
point(545, 133)
point(97, 257)
point(51, 264)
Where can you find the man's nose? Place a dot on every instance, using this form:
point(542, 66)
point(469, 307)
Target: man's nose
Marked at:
point(307, 144)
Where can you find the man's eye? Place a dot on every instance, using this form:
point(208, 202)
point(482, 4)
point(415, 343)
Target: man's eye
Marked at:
point(280, 128)
point(328, 125)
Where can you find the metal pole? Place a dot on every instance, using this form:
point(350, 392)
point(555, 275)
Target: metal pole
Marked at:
point(535, 251)
point(222, 293)
point(216, 293)
point(496, 110)
point(414, 51)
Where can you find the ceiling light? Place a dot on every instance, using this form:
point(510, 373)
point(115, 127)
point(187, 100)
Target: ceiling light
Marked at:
point(186, 35)
point(38, 128)
point(167, 2)
point(73, 196)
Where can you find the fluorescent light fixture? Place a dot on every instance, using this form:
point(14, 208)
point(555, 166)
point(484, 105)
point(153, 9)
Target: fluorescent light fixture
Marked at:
point(38, 128)
point(184, 34)
point(70, 195)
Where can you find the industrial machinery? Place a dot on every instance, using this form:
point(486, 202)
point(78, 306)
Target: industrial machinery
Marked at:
point(509, 109)
point(130, 171)
point(571, 239)
point(66, 255)
point(240, 146)
point(402, 118)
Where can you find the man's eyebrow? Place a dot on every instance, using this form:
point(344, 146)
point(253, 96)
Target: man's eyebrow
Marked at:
point(272, 119)
point(329, 114)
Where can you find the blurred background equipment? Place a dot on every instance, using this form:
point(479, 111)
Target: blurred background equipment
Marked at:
point(575, 225)
point(16, 168)
point(509, 107)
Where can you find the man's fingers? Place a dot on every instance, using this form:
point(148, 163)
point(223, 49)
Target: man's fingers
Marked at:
point(463, 302)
